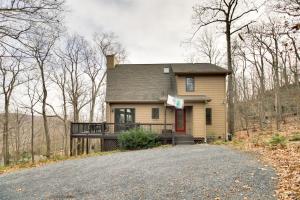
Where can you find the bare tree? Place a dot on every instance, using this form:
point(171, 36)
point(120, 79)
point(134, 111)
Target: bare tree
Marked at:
point(228, 13)
point(95, 71)
point(59, 77)
point(273, 32)
point(72, 54)
point(108, 44)
point(20, 16)
point(207, 48)
point(251, 41)
point(19, 120)
point(10, 69)
point(40, 46)
point(34, 98)
point(289, 7)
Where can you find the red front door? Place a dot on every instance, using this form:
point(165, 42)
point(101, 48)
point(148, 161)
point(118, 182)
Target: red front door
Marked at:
point(180, 120)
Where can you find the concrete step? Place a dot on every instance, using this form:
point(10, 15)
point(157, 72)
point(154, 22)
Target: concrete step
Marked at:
point(185, 142)
point(184, 139)
point(187, 137)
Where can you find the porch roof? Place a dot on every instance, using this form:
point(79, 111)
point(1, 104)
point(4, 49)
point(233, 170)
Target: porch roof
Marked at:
point(199, 68)
point(191, 98)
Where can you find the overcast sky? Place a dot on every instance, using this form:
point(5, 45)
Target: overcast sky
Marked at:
point(150, 30)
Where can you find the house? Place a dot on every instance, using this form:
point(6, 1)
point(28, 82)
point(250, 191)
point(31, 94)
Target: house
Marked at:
point(137, 94)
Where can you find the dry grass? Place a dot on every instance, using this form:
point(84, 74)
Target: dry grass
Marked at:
point(57, 158)
point(283, 155)
point(54, 159)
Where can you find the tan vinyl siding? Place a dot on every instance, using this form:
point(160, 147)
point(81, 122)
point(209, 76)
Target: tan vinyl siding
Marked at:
point(143, 114)
point(214, 88)
point(199, 129)
point(189, 119)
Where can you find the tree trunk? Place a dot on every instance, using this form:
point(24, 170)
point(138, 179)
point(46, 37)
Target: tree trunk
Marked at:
point(65, 120)
point(45, 120)
point(18, 137)
point(32, 135)
point(5, 132)
point(230, 82)
point(277, 87)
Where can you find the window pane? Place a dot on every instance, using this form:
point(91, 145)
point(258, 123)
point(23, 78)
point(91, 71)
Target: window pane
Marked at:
point(190, 84)
point(208, 116)
point(119, 115)
point(129, 115)
point(155, 113)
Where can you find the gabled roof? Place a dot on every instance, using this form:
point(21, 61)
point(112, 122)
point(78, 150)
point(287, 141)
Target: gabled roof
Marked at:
point(148, 82)
point(139, 83)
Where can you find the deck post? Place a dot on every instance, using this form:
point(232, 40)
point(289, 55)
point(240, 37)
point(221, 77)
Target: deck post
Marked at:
point(71, 141)
point(87, 146)
point(102, 135)
point(102, 144)
point(71, 146)
point(82, 145)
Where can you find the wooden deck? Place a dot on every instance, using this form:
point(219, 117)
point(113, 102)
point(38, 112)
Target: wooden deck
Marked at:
point(108, 133)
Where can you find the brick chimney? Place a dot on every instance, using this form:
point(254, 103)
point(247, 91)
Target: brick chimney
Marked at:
point(111, 61)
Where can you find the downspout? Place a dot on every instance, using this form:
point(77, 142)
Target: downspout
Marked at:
point(205, 105)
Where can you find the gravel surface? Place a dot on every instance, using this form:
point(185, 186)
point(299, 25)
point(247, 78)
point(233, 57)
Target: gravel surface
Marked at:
point(181, 172)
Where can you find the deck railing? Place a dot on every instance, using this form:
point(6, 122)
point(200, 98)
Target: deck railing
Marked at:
point(94, 129)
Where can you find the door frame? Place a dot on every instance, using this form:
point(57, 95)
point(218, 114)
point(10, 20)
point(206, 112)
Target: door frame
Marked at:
point(184, 121)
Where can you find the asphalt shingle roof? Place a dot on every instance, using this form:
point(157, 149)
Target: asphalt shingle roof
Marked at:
point(198, 68)
point(148, 82)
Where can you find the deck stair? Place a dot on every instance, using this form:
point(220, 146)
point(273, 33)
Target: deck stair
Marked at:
point(184, 139)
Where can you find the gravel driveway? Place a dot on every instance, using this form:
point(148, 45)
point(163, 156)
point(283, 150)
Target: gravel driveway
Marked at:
point(181, 172)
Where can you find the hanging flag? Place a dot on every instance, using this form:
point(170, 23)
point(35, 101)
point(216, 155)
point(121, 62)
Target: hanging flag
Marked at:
point(174, 101)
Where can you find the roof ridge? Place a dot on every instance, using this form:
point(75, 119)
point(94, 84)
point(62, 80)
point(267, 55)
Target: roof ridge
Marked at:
point(168, 64)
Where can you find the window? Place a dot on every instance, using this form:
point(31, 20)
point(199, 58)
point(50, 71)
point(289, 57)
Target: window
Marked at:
point(124, 119)
point(155, 113)
point(190, 84)
point(124, 115)
point(208, 113)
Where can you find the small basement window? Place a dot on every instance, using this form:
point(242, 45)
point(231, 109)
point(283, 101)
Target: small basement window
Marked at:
point(190, 84)
point(208, 113)
point(155, 113)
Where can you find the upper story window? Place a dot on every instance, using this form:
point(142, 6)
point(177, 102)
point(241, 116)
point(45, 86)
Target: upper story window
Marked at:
point(190, 84)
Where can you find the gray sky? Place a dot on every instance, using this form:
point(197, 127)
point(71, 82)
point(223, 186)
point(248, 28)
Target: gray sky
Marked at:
point(150, 30)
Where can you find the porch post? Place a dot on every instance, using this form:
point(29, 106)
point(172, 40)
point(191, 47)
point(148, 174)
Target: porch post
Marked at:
point(165, 125)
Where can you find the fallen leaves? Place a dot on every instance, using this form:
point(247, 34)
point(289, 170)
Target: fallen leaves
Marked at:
point(286, 161)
